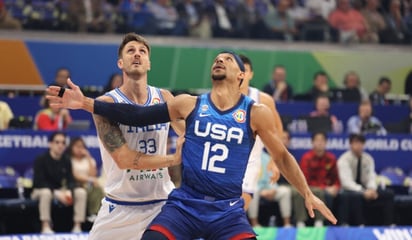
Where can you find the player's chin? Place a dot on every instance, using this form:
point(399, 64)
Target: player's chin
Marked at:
point(218, 77)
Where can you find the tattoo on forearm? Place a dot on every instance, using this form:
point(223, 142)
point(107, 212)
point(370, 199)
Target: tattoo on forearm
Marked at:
point(109, 133)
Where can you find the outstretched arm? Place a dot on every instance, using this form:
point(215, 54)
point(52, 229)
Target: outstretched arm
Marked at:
point(263, 125)
point(127, 114)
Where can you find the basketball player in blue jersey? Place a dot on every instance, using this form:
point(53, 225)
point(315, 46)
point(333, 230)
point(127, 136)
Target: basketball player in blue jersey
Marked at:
point(133, 196)
point(221, 127)
point(254, 165)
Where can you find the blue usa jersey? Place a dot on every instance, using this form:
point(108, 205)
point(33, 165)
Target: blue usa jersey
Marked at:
point(217, 148)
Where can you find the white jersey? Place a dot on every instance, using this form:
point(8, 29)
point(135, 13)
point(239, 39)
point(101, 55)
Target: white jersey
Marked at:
point(251, 177)
point(139, 185)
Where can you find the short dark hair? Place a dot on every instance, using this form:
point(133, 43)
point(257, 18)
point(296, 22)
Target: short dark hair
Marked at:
point(74, 141)
point(319, 133)
point(61, 69)
point(278, 66)
point(129, 37)
point(319, 73)
point(356, 137)
point(53, 135)
point(246, 60)
point(383, 80)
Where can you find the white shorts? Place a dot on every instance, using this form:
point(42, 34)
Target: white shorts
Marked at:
point(116, 221)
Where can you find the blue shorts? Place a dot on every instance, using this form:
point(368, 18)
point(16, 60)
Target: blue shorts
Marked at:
point(187, 217)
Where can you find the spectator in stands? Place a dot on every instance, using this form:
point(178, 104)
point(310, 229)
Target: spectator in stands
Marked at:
point(408, 17)
point(194, 16)
point(405, 125)
point(223, 19)
point(115, 81)
point(85, 174)
point(320, 86)
point(51, 119)
point(364, 122)
point(320, 8)
point(5, 115)
point(167, 19)
point(270, 192)
point(351, 82)
point(397, 31)
point(60, 79)
point(374, 19)
point(322, 106)
point(249, 20)
point(320, 169)
point(53, 179)
point(6, 20)
point(278, 88)
point(279, 23)
point(408, 84)
point(350, 23)
point(298, 13)
point(358, 180)
point(88, 16)
point(378, 97)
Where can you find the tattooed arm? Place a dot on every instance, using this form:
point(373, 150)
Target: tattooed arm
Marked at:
point(126, 158)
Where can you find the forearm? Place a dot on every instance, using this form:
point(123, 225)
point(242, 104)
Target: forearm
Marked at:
point(131, 159)
point(128, 114)
point(291, 171)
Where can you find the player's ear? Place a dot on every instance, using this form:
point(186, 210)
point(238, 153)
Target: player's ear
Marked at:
point(241, 75)
point(150, 66)
point(120, 63)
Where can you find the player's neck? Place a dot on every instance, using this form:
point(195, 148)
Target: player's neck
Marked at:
point(244, 88)
point(136, 91)
point(225, 96)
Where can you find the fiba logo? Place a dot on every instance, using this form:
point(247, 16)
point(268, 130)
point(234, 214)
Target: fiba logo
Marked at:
point(155, 100)
point(239, 116)
point(204, 108)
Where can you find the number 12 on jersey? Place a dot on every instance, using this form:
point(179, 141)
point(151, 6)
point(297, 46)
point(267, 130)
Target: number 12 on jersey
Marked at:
point(212, 154)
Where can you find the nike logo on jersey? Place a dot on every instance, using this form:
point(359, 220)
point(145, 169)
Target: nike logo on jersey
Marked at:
point(233, 203)
point(111, 207)
point(204, 114)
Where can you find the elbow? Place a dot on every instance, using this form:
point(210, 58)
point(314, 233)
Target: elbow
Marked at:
point(119, 160)
point(119, 163)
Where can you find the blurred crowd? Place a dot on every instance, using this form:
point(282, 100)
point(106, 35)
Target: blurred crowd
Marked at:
point(321, 93)
point(346, 21)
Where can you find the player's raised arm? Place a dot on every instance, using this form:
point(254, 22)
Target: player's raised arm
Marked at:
point(127, 114)
point(262, 123)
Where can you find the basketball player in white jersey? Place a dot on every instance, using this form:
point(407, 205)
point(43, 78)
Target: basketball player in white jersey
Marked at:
point(250, 180)
point(254, 165)
point(133, 197)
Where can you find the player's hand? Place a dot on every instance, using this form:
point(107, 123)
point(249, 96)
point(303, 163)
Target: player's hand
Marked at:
point(272, 168)
point(71, 98)
point(312, 202)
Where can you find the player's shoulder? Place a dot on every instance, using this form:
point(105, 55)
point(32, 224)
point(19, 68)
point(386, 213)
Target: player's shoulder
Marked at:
point(260, 110)
point(185, 97)
point(266, 98)
point(105, 98)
